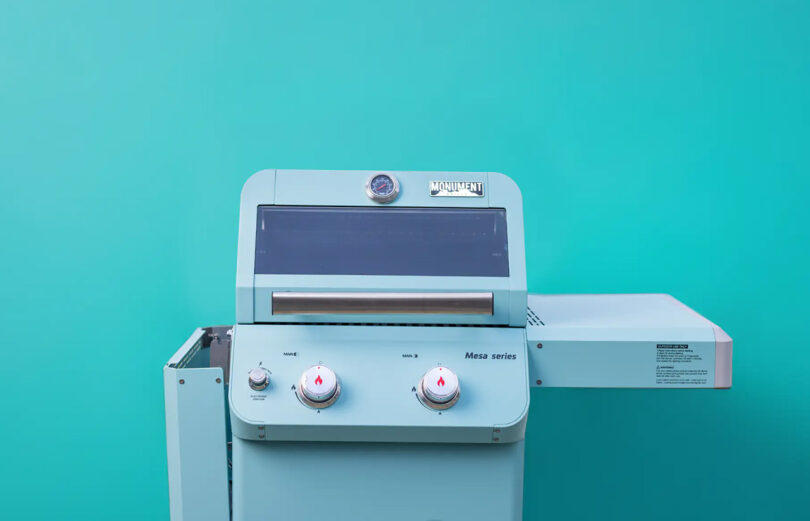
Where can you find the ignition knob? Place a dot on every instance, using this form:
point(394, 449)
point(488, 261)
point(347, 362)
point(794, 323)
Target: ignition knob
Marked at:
point(258, 379)
point(439, 388)
point(318, 387)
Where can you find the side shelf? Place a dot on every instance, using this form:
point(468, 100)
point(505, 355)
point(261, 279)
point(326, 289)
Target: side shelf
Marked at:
point(631, 341)
point(194, 382)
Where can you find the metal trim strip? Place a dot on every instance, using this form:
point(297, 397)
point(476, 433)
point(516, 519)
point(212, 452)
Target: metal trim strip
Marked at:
point(376, 303)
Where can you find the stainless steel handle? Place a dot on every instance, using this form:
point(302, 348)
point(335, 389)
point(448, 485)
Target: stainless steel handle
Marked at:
point(380, 303)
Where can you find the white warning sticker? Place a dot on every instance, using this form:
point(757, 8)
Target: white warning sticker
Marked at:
point(682, 365)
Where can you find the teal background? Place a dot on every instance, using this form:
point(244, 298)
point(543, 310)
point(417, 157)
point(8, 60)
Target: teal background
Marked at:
point(660, 146)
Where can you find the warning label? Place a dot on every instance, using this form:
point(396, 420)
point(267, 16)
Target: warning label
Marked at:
point(678, 364)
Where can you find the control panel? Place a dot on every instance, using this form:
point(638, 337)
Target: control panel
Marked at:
point(310, 382)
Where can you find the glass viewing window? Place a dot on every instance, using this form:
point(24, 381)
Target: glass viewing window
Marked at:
point(447, 242)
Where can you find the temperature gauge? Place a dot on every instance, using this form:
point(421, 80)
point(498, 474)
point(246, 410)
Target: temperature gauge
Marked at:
point(382, 188)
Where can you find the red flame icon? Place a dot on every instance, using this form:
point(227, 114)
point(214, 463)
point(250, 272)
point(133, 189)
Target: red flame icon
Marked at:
point(441, 381)
point(318, 380)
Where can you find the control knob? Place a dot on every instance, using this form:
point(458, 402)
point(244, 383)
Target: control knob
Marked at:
point(318, 387)
point(258, 379)
point(439, 388)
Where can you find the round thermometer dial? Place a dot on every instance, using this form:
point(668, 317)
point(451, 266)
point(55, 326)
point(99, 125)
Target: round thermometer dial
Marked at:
point(382, 188)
